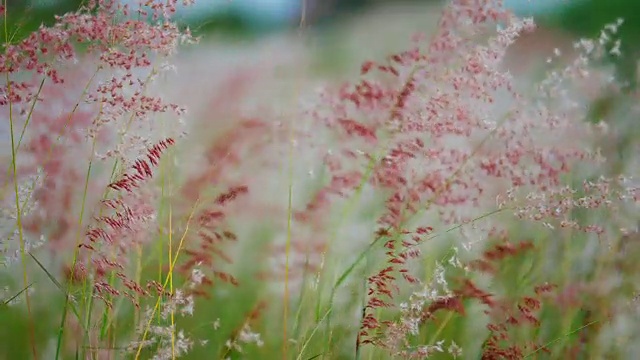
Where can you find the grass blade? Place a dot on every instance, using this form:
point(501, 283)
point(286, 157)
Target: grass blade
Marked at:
point(6, 302)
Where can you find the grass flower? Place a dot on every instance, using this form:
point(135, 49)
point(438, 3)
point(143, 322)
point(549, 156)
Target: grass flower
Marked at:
point(438, 204)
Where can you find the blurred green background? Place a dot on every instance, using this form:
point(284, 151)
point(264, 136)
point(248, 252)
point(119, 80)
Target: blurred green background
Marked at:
point(255, 18)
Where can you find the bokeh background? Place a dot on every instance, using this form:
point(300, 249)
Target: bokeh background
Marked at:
point(237, 20)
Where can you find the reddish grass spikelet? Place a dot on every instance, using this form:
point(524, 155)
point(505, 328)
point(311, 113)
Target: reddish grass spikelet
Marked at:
point(507, 249)
point(208, 248)
point(111, 235)
point(469, 290)
point(544, 288)
point(509, 312)
point(382, 286)
point(230, 195)
point(505, 314)
point(447, 106)
point(75, 101)
point(244, 335)
point(366, 67)
point(452, 303)
point(130, 181)
point(353, 127)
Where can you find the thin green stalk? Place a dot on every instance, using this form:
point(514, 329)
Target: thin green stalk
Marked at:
point(285, 306)
point(558, 339)
point(365, 178)
point(443, 324)
point(63, 290)
point(163, 198)
point(89, 313)
point(76, 251)
point(285, 302)
point(170, 277)
point(9, 300)
point(313, 331)
point(164, 286)
point(25, 277)
point(428, 204)
point(30, 114)
point(301, 297)
point(346, 210)
point(107, 322)
point(49, 151)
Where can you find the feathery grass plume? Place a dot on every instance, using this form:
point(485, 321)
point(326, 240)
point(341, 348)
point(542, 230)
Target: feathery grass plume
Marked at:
point(443, 129)
point(76, 95)
point(390, 206)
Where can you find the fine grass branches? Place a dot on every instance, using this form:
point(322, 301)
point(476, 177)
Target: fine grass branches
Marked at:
point(437, 206)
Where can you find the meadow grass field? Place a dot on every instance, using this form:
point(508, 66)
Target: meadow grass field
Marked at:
point(424, 182)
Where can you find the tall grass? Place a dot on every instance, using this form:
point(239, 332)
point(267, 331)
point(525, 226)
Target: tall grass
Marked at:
point(436, 206)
